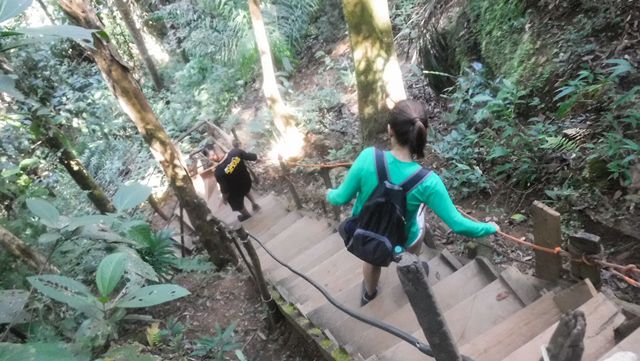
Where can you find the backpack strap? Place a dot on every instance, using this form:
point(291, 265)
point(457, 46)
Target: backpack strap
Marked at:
point(415, 179)
point(381, 166)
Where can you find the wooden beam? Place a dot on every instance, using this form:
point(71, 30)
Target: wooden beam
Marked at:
point(546, 233)
point(424, 304)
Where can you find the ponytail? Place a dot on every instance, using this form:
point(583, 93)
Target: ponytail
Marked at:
point(408, 120)
point(418, 139)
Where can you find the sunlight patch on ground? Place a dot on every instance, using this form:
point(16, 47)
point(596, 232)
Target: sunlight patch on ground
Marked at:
point(288, 146)
point(155, 179)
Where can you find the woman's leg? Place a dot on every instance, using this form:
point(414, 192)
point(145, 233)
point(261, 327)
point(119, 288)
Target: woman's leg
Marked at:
point(371, 276)
point(254, 205)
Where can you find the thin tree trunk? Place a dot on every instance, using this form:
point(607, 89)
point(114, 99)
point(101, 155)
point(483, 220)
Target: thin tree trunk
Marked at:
point(378, 75)
point(127, 17)
point(282, 117)
point(21, 250)
point(46, 11)
point(133, 102)
point(56, 141)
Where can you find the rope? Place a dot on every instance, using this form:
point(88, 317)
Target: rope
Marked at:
point(320, 165)
point(421, 346)
point(618, 270)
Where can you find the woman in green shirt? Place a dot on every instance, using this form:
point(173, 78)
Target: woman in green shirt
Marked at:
point(408, 131)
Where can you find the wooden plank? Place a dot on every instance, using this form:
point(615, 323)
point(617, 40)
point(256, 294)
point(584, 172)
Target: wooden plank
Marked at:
point(309, 258)
point(342, 263)
point(575, 296)
point(265, 218)
point(546, 233)
point(513, 332)
point(288, 244)
point(279, 226)
point(423, 303)
point(630, 344)
point(520, 284)
point(602, 317)
point(449, 292)
point(467, 320)
point(521, 327)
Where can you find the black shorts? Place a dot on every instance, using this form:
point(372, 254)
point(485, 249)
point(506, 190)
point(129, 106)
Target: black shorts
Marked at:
point(236, 201)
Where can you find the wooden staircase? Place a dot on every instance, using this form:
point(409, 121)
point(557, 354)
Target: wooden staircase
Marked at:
point(492, 314)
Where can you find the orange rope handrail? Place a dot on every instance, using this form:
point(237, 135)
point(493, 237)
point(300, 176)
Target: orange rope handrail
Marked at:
point(321, 165)
point(619, 270)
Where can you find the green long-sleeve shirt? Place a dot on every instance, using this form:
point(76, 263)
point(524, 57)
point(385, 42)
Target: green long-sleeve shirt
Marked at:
point(362, 180)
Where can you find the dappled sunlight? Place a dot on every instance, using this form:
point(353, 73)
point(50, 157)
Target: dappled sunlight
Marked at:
point(35, 16)
point(288, 146)
point(155, 49)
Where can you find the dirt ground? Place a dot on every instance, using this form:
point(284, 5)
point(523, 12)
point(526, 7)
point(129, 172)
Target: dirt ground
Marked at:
point(226, 298)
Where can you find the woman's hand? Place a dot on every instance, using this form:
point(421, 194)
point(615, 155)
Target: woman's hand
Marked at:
point(495, 225)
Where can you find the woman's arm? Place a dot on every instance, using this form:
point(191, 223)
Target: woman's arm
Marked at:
point(248, 156)
point(435, 195)
point(351, 184)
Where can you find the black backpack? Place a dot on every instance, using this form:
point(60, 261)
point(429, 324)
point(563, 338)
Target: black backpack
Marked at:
point(374, 234)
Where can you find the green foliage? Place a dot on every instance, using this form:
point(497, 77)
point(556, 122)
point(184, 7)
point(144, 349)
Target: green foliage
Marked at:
point(215, 346)
point(109, 273)
point(129, 196)
point(155, 248)
point(104, 313)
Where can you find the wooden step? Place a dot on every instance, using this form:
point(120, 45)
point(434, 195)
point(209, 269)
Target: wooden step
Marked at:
point(309, 258)
point(279, 226)
point(292, 241)
point(342, 264)
point(390, 298)
point(602, 317)
point(631, 343)
point(522, 326)
point(457, 296)
point(270, 213)
point(328, 315)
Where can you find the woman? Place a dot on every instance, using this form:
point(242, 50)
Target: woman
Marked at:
point(408, 131)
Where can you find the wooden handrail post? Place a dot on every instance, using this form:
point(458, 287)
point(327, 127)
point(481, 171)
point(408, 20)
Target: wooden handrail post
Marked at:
point(326, 178)
point(292, 188)
point(546, 233)
point(256, 271)
point(585, 244)
point(423, 301)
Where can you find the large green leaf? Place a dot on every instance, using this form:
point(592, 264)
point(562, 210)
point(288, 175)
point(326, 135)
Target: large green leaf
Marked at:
point(38, 352)
point(152, 295)
point(69, 291)
point(129, 196)
point(53, 32)
point(47, 213)
point(12, 8)
point(11, 305)
point(109, 273)
point(90, 219)
point(134, 265)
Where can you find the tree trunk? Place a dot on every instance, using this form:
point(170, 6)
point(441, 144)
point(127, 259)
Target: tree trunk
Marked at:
point(127, 17)
point(21, 250)
point(46, 11)
point(282, 117)
point(56, 141)
point(133, 102)
point(378, 76)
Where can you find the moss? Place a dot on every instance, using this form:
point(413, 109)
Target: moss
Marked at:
point(326, 344)
point(315, 332)
point(340, 355)
point(289, 309)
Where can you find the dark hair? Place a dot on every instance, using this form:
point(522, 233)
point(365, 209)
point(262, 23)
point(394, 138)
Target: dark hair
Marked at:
point(408, 121)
